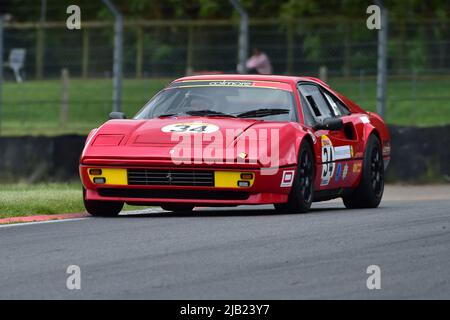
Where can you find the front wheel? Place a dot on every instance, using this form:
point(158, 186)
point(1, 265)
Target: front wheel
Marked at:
point(301, 195)
point(102, 208)
point(370, 190)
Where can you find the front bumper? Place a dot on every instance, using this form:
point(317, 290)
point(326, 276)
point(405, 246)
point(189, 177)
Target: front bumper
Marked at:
point(263, 188)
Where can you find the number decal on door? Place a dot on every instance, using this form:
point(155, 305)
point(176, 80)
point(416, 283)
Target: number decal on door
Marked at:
point(327, 161)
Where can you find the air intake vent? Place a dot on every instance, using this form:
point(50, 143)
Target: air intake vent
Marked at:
point(173, 194)
point(150, 177)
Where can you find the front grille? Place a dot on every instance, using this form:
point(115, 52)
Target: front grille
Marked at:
point(173, 194)
point(150, 177)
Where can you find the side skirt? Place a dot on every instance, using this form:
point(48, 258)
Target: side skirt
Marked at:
point(329, 194)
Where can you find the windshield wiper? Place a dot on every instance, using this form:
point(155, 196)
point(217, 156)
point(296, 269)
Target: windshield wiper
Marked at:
point(168, 115)
point(262, 113)
point(209, 113)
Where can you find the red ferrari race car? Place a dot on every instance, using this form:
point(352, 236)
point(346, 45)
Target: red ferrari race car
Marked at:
point(228, 140)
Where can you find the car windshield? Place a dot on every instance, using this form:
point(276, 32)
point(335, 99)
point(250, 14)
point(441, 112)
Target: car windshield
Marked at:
point(262, 103)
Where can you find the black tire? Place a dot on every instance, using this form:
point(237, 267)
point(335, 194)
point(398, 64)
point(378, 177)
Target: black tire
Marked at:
point(301, 195)
point(177, 207)
point(370, 190)
point(102, 208)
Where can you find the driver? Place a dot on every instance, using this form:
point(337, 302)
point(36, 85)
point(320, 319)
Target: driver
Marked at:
point(199, 104)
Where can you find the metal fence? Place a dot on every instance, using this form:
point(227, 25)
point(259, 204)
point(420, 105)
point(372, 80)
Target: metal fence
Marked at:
point(155, 51)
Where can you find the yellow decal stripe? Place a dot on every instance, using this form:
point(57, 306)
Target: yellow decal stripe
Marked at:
point(112, 176)
point(229, 179)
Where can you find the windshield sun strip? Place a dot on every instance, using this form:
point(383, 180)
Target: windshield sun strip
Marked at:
point(222, 86)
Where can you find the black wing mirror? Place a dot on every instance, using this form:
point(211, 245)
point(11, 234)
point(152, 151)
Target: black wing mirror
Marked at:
point(329, 124)
point(117, 115)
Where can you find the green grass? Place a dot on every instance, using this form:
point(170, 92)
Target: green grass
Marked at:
point(26, 200)
point(425, 103)
point(35, 199)
point(33, 107)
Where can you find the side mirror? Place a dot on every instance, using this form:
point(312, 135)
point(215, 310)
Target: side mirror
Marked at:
point(330, 124)
point(117, 115)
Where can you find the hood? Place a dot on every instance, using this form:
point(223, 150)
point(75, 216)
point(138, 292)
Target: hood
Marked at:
point(170, 131)
point(158, 139)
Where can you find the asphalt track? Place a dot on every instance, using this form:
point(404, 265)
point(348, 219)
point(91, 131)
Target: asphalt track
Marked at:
point(237, 253)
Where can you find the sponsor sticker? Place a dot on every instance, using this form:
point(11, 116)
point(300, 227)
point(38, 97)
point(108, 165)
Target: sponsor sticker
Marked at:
point(231, 83)
point(357, 167)
point(226, 83)
point(288, 178)
point(344, 173)
point(365, 119)
point(194, 127)
point(338, 172)
point(327, 160)
point(344, 152)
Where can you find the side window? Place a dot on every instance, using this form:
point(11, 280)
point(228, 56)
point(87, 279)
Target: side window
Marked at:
point(319, 106)
point(333, 105)
point(338, 107)
point(307, 112)
point(344, 110)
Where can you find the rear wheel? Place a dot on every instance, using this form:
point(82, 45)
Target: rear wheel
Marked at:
point(301, 195)
point(102, 208)
point(177, 207)
point(370, 190)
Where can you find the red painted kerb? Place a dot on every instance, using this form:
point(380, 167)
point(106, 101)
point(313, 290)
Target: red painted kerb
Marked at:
point(40, 218)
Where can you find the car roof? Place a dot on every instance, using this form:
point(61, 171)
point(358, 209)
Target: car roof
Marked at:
point(251, 77)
